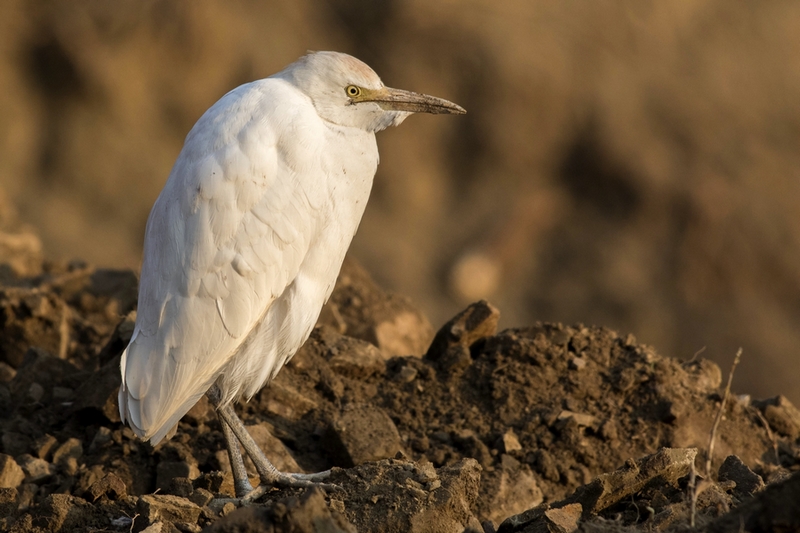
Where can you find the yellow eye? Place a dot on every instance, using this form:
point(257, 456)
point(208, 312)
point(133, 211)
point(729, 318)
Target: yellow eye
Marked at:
point(352, 91)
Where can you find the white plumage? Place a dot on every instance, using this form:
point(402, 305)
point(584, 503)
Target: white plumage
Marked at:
point(245, 242)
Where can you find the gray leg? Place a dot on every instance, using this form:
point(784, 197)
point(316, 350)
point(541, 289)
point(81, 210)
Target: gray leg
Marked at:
point(270, 476)
point(240, 481)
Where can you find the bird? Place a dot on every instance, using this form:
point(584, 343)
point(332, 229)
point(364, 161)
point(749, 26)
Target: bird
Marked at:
point(245, 241)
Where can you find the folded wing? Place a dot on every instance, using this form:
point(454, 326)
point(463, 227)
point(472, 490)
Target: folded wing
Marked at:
point(225, 238)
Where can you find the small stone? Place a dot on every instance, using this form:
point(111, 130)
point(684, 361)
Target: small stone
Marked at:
point(71, 449)
point(363, 434)
point(406, 374)
point(101, 438)
point(286, 401)
point(110, 486)
point(478, 320)
point(227, 509)
point(44, 446)
point(509, 442)
point(511, 489)
point(577, 363)
point(747, 481)
point(201, 497)
point(782, 415)
point(455, 360)
point(99, 391)
point(564, 519)
point(166, 507)
point(355, 358)
point(63, 512)
point(210, 481)
point(166, 471)
point(579, 418)
point(11, 474)
point(180, 486)
point(35, 469)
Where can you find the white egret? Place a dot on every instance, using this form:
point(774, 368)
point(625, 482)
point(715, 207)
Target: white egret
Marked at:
point(244, 244)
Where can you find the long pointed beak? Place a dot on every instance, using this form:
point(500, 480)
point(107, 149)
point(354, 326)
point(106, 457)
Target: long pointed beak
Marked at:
point(400, 100)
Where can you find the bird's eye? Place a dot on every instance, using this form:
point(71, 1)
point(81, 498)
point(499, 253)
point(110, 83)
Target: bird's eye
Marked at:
point(352, 91)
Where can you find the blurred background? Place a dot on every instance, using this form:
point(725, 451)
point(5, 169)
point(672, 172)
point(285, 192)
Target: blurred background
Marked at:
point(631, 164)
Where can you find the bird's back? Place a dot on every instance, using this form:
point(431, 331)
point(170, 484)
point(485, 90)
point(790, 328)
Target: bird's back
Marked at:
point(241, 250)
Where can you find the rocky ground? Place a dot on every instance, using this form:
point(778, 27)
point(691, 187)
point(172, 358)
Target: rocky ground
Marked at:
point(543, 428)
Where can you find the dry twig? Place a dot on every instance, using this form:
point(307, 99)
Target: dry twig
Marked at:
point(713, 436)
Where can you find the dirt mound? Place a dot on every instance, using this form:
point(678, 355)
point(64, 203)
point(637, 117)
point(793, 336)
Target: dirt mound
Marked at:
point(528, 429)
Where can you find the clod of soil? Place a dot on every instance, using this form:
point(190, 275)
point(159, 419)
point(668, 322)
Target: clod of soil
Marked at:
point(543, 428)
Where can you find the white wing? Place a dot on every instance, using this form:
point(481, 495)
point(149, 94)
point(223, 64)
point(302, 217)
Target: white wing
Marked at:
point(225, 238)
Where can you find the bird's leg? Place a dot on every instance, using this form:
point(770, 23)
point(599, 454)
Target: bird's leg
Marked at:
point(266, 470)
point(240, 481)
point(270, 476)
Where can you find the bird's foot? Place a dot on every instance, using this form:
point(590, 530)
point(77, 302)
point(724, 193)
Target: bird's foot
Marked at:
point(281, 480)
point(294, 481)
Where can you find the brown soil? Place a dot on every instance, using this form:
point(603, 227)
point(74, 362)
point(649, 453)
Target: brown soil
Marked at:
point(544, 428)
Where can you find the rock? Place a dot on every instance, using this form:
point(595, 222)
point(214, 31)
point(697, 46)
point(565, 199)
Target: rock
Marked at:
point(62, 512)
point(31, 319)
point(11, 474)
point(283, 399)
point(559, 518)
point(359, 308)
point(71, 449)
point(782, 415)
point(509, 442)
point(478, 320)
point(564, 519)
point(309, 514)
point(355, 358)
point(398, 496)
point(510, 489)
point(40, 368)
point(110, 486)
point(167, 508)
point(201, 497)
point(180, 486)
point(361, 434)
point(472, 446)
point(36, 470)
point(747, 481)
point(44, 446)
point(579, 418)
point(273, 448)
point(213, 482)
point(166, 471)
point(773, 509)
point(454, 361)
point(577, 363)
point(666, 465)
point(99, 391)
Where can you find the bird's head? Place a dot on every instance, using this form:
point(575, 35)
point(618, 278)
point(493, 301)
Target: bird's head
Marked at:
point(347, 92)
